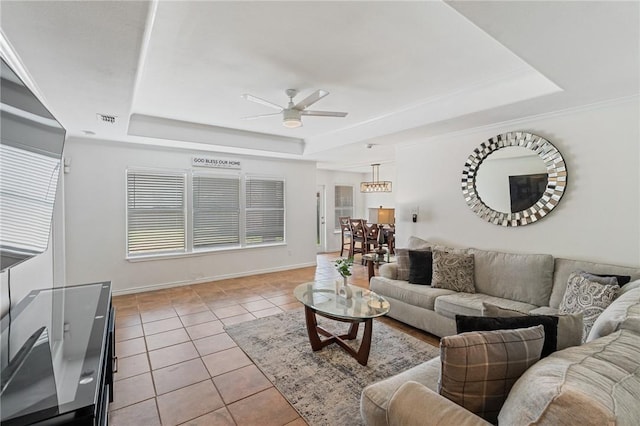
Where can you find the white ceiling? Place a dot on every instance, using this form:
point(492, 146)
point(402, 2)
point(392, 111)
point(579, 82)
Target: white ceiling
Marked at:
point(173, 72)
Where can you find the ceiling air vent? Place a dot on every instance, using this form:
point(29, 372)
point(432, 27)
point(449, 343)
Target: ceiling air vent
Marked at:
point(106, 118)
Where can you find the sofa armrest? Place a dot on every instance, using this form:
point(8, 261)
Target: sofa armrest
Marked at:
point(389, 270)
point(414, 404)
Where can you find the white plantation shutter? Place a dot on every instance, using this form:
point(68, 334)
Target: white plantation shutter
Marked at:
point(216, 211)
point(343, 203)
point(264, 211)
point(155, 212)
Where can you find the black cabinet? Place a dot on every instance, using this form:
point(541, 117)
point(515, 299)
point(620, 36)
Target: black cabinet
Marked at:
point(56, 357)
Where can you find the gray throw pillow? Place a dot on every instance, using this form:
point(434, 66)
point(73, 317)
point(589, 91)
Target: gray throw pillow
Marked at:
point(453, 271)
point(480, 367)
point(587, 296)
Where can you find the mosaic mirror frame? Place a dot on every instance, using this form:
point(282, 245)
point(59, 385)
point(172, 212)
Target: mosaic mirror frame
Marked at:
point(556, 179)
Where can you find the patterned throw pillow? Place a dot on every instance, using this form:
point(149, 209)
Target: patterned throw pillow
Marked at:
point(479, 368)
point(453, 271)
point(586, 296)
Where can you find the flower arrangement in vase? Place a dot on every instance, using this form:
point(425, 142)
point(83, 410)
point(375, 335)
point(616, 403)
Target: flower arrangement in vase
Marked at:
point(343, 266)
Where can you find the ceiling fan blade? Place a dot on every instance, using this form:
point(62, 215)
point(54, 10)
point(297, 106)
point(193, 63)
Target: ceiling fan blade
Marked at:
point(261, 101)
point(324, 113)
point(311, 99)
point(252, 117)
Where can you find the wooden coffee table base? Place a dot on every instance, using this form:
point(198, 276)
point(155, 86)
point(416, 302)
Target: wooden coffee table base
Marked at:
point(314, 330)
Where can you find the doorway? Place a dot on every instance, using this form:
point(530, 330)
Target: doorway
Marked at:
point(321, 223)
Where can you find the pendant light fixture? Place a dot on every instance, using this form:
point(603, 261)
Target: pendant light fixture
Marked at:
point(376, 185)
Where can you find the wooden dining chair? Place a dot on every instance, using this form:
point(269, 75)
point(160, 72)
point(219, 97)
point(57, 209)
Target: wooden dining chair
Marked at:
point(372, 232)
point(358, 237)
point(346, 239)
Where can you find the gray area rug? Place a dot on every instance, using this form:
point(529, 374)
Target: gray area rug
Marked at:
point(324, 386)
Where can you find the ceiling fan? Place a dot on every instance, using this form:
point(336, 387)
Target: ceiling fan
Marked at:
point(292, 113)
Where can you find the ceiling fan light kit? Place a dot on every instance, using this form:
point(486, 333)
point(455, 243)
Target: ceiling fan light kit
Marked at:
point(291, 115)
point(376, 185)
point(291, 118)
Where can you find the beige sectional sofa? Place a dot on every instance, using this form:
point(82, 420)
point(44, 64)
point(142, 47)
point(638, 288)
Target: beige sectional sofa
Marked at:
point(597, 383)
point(594, 383)
point(533, 283)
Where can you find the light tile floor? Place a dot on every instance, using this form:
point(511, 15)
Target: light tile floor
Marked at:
point(177, 366)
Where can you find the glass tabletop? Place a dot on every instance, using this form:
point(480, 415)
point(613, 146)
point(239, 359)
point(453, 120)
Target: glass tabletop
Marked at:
point(321, 296)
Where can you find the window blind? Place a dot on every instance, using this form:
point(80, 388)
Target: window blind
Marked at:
point(343, 203)
point(155, 212)
point(264, 211)
point(216, 211)
point(28, 183)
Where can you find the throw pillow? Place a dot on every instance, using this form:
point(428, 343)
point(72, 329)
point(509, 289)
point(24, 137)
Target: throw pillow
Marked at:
point(402, 260)
point(479, 368)
point(453, 271)
point(586, 296)
point(569, 331)
point(607, 280)
point(622, 279)
point(465, 323)
point(420, 267)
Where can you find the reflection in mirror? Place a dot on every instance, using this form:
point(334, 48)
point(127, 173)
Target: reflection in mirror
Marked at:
point(511, 179)
point(524, 179)
point(30, 156)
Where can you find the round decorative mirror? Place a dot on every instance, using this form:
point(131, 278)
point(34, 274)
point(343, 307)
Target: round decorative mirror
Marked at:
point(522, 178)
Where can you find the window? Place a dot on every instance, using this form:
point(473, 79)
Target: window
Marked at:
point(185, 212)
point(28, 183)
point(155, 212)
point(216, 211)
point(343, 203)
point(264, 210)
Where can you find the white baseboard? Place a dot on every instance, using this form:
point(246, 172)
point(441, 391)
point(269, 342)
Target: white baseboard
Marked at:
point(209, 279)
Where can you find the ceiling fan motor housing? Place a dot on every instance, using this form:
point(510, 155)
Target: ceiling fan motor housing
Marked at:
point(291, 118)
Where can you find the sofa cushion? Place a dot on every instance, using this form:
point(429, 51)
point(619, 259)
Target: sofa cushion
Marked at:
point(466, 323)
point(628, 287)
point(526, 278)
point(420, 266)
point(479, 368)
point(569, 331)
point(597, 383)
point(375, 398)
point(389, 270)
point(423, 296)
point(564, 268)
point(587, 296)
point(453, 271)
point(471, 304)
point(615, 314)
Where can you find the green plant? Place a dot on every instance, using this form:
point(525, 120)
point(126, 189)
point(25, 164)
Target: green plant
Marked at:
point(343, 266)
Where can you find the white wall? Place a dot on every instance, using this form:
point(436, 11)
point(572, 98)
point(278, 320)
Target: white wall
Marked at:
point(95, 219)
point(597, 219)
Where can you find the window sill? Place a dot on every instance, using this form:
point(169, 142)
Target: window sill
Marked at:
point(163, 256)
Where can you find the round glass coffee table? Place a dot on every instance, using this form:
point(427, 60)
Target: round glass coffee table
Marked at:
point(320, 298)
